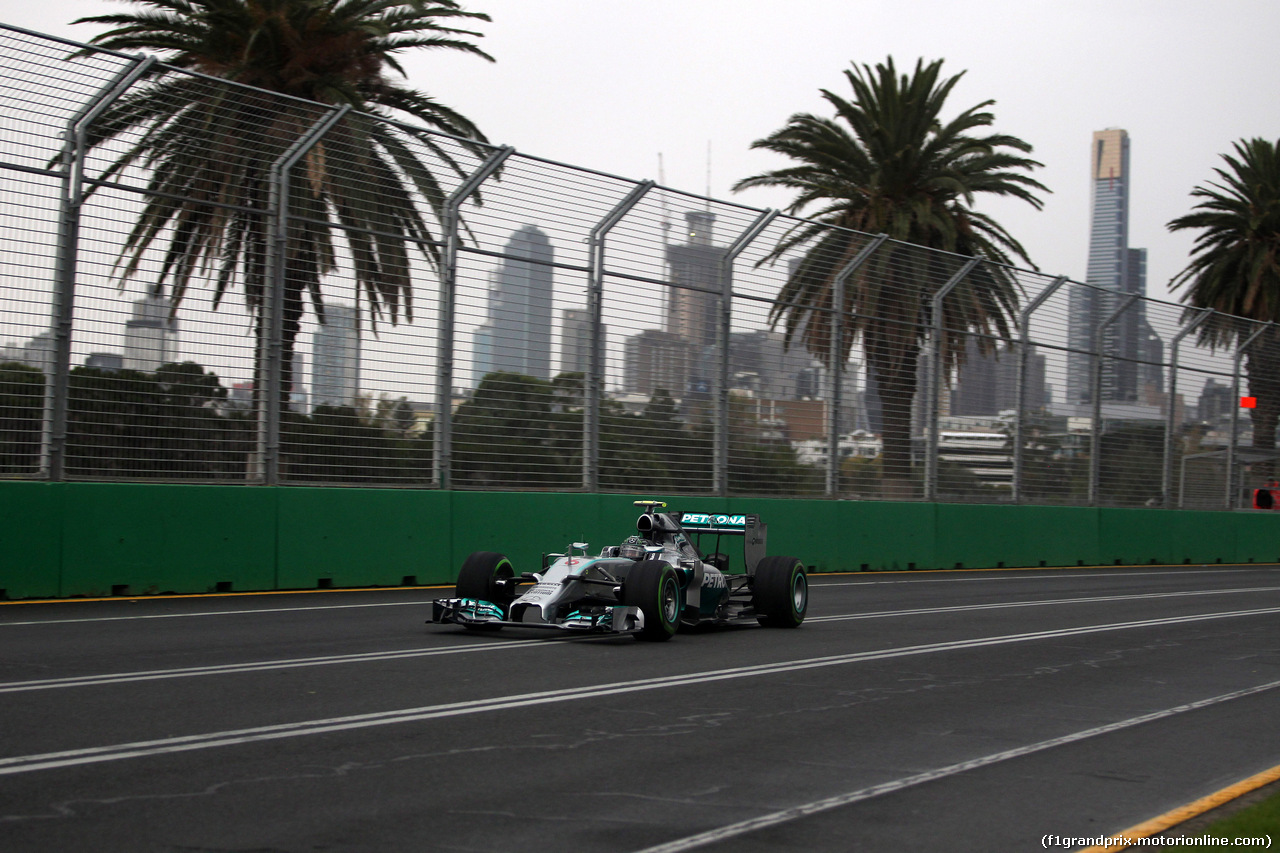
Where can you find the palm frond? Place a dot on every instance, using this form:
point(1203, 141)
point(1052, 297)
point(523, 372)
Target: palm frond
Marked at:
point(211, 146)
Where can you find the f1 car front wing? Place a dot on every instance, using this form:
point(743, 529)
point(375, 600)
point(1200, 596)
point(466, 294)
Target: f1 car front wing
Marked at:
point(476, 612)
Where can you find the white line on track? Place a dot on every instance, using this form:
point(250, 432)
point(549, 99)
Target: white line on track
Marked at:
point(734, 830)
point(400, 654)
point(116, 752)
point(1044, 574)
point(960, 608)
point(260, 666)
point(248, 612)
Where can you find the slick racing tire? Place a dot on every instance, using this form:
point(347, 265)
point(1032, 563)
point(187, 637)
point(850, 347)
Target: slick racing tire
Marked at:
point(781, 592)
point(654, 587)
point(479, 579)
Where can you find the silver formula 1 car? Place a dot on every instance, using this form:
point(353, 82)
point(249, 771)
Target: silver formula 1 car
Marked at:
point(650, 585)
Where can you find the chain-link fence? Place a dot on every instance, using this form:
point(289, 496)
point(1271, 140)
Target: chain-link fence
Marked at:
point(205, 282)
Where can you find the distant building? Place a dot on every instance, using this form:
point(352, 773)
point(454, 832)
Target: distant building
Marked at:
point(697, 280)
point(298, 400)
point(675, 358)
point(1115, 272)
point(150, 335)
point(575, 340)
point(517, 333)
point(657, 360)
point(782, 372)
point(797, 420)
point(38, 352)
point(1216, 402)
point(988, 384)
point(335, 354)
point(240, 396)
point(105, 361)
point(761, 365)
point(1150, 362)
point(816, 451)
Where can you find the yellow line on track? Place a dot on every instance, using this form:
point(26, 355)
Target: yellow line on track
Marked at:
point(1182, 814)
point(224, 594)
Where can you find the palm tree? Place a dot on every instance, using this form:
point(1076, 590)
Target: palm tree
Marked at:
point(1235, 269)
point(208, 146)
point(887, 163)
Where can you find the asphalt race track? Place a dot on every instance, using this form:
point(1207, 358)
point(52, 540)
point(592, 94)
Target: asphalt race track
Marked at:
point(958, 711)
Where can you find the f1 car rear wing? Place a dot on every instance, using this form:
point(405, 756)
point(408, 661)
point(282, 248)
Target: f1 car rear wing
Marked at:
point(747, 525)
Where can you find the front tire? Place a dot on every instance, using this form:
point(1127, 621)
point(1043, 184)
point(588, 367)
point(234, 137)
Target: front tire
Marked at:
point(654, 587)
point(479, 578)
point(781, 596)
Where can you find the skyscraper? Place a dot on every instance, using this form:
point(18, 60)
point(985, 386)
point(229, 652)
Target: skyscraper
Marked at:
point(575, 340)
point(335, 357)
point(697, 278)
point(666, 358)
point(656, 360)
point(517, 333)
point(759, 362)
point(150, 335)
point(988, 384)
point(38, 352)
point(1115, 271)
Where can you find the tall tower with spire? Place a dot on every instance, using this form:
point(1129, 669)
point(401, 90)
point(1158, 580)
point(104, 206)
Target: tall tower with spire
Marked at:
point(1115, 271)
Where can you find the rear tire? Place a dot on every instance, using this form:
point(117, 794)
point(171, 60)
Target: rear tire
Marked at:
point(654, 587)
point(479, 579)
point(781, 596)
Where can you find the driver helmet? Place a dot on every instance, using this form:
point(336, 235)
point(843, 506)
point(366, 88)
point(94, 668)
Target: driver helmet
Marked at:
point(633, 548)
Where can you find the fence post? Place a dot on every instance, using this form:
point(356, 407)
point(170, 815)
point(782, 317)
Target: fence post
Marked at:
point(1166, 476)
point(1232, 498)
point(1020, 393)
point(836, 358)
point(442, 449)
point(720, 476)
point(935, 380)
point(595, 310)
point(57, 386)
point(1095, 392)
point(271, 322)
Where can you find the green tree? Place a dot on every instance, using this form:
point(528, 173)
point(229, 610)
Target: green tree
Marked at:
point(344, 444)
point(1130, 453)
point(129, 423)
point(208, 148)
point(188, 385)
point(1054, 468)
point(21, 413)
point(503, 436)
point(661, 408)
point(760, 465)
point(639, 452)
point(888, 163)
point(1235, 269)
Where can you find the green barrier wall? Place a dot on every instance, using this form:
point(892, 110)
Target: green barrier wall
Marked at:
point(95, 539)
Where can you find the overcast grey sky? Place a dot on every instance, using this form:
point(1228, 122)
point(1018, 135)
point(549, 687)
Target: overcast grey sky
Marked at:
point(610, 85)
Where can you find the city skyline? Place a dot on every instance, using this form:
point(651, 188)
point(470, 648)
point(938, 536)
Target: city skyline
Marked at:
point(466, 327)
point(1069, 55)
